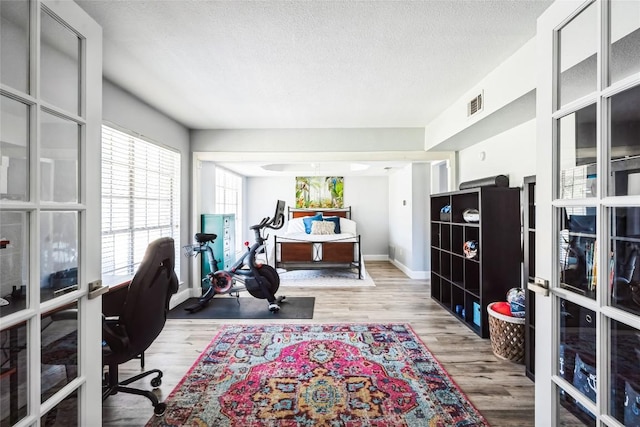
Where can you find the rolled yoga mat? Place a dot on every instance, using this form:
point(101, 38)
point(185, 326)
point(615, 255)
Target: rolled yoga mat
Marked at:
point(492, 181)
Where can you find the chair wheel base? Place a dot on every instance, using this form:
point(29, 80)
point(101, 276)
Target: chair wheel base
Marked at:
point(160, 409)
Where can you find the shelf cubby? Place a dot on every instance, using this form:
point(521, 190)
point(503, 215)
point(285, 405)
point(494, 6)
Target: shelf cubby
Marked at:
point(457, 269)
point(436, 291)
point(457, 239)
point(435, 234)
point(437, 203)
point(445, 237)
point(445, 293)
point(435, 259)
point(445, 265)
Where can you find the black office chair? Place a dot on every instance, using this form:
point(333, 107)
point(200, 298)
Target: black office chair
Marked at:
point(141, 320)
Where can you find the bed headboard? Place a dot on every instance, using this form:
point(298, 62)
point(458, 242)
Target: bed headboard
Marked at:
point(302, 212)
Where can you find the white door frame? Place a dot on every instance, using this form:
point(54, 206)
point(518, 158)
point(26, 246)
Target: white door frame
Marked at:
point(547, 252)
point(89, 377)
point(545, 402)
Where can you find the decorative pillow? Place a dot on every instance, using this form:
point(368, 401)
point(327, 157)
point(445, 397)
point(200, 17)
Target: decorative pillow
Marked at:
point(322, 227)
point(347, 226)
point(308, 220)
point(335, 220)
point(295, 225)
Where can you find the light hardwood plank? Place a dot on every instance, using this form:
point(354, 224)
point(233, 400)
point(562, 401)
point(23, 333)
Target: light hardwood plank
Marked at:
point(497, 388)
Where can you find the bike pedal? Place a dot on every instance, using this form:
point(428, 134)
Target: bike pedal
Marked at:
point(274, 308)
point(193, 308)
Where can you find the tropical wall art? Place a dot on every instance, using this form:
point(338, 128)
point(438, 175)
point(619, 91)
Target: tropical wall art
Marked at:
point(319, 192)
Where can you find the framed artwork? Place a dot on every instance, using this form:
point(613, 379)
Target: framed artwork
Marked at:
point(319, 192)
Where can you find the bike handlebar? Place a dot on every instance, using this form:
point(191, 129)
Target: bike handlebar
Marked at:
point(274, 223)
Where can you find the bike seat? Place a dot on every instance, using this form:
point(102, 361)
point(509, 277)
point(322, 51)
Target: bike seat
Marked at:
point(205, 237)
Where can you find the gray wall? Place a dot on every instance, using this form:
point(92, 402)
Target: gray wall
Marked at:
point(308, 140)
point(511, 153)
point(420, 208)
point(409, 190)
point(129, 113)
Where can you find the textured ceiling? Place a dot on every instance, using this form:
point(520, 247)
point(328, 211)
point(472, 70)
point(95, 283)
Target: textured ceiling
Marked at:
point(307, 64)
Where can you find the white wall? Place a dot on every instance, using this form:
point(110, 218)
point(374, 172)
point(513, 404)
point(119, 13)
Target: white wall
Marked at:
point(207, 194)
point(511, 153)
point(128, 112)
point(368, 197)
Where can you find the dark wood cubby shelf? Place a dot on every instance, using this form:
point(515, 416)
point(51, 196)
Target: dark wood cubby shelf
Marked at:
point(466, 286)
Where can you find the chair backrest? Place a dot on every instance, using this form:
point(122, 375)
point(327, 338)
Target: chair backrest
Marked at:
point(147, 303)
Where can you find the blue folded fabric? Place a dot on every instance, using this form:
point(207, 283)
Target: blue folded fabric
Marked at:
point(308, 220)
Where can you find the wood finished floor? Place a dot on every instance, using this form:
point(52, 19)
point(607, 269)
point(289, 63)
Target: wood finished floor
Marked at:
point(498, 389)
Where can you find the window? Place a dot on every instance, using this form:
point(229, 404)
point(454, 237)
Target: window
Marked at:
point(229, 199)
point(140, 200)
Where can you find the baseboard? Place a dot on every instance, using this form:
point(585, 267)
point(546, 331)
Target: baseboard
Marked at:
point(417, 275)
point(180, 297)
point(376, 257)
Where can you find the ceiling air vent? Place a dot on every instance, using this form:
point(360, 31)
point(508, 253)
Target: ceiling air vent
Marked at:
point(475, 105)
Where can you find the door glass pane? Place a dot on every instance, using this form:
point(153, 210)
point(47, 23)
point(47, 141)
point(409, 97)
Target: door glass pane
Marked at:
point(625, 259)
point(625, 376)
point(577, 56)
point(576, 249)
point(14, 261)
point(573, 414)
point(14, 382)
point(58, 254)
point(625, 143)
point(577, 361)
point(64, 414)
point(59, 69)
point(14, 44)
point(59, 159)
point(14, 150)
point(625, 39)
point(577, 154)
point(59, 352)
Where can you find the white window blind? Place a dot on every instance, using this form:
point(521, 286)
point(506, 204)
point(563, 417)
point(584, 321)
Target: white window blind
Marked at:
point(140, 200)
point(229, 199)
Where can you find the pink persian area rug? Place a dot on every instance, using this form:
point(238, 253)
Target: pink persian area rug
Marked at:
point(324, 375)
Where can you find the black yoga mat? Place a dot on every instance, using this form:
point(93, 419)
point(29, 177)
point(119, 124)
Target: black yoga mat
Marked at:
point(226, 307)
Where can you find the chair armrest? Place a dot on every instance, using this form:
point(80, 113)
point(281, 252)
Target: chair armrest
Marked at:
point(114, 335)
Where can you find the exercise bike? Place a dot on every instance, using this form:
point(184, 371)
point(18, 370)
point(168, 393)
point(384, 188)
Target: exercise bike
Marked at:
point(260, 280)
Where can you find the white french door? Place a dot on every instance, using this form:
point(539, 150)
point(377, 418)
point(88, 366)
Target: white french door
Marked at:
point(588, 214)
point(50, 117)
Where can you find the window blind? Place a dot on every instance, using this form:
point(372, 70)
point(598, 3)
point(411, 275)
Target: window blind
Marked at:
point(140, 200)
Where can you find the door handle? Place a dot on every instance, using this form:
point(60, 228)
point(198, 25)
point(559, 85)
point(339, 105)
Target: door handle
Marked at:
point(539, 286)
point(96, 288)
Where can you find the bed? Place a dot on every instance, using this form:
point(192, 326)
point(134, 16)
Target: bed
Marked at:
point(319, 238)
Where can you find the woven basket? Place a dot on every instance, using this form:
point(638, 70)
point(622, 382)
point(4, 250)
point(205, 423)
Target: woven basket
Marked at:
point(507, 335)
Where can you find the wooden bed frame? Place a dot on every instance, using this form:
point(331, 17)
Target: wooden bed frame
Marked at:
point(303, 255)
